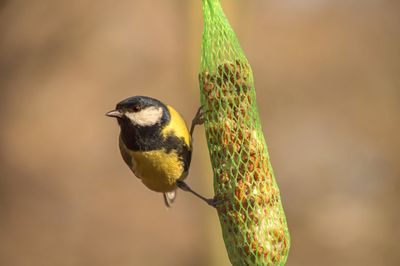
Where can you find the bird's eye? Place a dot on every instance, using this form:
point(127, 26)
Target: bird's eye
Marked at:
point(136, 108)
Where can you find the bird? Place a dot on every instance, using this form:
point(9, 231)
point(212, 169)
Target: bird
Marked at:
point(156, 144)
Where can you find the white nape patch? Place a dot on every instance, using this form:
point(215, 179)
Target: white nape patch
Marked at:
point(146, 117)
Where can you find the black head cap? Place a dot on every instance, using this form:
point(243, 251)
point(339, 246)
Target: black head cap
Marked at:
point(137, 103)
point(134, 105)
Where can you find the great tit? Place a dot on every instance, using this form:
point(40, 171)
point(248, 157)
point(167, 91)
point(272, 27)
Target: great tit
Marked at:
point(156, 144)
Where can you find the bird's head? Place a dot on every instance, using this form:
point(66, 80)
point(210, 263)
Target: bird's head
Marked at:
point(140, 112)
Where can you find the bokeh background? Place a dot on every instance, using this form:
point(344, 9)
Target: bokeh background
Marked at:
point(327, 75)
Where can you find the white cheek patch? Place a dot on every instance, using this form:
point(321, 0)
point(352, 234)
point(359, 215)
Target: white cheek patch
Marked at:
point(146, 117)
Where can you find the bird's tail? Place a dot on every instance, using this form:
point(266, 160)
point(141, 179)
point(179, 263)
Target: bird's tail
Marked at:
point(169, 197)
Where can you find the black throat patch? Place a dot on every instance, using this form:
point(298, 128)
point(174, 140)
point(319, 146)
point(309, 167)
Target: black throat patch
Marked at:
point(150, 138)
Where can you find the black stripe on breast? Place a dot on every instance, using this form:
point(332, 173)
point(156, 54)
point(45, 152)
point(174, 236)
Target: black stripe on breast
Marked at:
point(184, 152)
point(150, 139)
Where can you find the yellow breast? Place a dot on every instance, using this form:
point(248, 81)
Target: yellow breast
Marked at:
point(158, 170)
point(176, 126)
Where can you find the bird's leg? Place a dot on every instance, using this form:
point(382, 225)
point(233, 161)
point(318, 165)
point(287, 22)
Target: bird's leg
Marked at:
point(197, 120)
point(182, 185)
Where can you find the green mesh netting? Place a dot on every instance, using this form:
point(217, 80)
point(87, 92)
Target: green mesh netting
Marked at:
point(251, 214)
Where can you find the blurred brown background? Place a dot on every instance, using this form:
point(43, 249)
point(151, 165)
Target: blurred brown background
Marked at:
point(328, 84)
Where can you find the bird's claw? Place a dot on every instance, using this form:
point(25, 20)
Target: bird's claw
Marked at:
point(213, 202)
point(199, 117)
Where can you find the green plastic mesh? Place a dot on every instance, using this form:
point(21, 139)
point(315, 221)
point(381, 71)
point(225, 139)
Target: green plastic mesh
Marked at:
point(250, 211)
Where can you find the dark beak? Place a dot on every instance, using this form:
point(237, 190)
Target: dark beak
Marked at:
point(115, 113)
